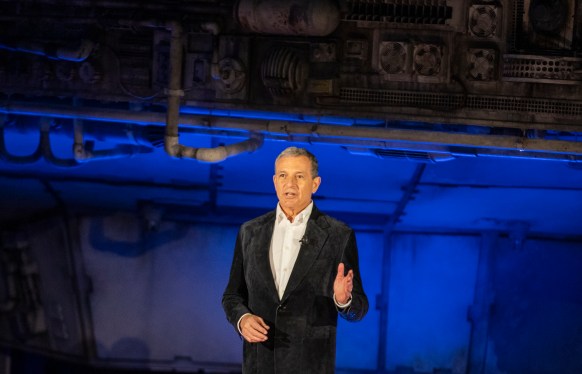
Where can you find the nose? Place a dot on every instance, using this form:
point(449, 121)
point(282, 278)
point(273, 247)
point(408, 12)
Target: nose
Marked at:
point(292, 181)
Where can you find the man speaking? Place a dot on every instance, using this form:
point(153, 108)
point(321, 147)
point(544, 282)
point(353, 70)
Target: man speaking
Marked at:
point(294, 270)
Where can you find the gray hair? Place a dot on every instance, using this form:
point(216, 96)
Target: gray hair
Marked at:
point(296, 152)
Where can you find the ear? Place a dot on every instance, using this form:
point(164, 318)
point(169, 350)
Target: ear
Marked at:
point(316, 182)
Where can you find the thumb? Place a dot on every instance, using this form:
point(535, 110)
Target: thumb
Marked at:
point(340, 269)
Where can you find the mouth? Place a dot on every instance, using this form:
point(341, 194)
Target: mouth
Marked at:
point(290, 195)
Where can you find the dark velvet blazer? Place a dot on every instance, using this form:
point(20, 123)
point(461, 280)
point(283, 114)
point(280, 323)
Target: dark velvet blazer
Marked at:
point(302, 334)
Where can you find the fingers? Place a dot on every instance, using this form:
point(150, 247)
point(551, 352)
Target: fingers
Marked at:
point(254, 329)
point(349, 282)
point(263, 324)
point(344, 284)
point(348, 279)
point(341, 270)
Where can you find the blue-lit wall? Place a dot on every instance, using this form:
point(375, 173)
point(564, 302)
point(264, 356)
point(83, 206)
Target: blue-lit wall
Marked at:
point(156, 297)
point(536, 320)
point(464, 294)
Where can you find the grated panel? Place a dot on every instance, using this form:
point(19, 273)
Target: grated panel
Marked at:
point(425, 12)
point(515, 25)
point(539, 68)
point(413, 99)
point(443, 101)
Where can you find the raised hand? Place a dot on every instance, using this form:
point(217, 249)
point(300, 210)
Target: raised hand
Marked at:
point(343, 284)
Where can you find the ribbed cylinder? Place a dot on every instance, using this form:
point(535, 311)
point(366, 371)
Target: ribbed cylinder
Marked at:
point(290, 17)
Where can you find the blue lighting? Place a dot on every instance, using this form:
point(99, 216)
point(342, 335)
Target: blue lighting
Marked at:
point(279, 116)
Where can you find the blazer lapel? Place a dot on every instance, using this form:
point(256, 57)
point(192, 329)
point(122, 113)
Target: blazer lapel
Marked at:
point(260, 244)
point(316, 236)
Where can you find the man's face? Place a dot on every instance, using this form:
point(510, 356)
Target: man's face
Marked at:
point(294, 183)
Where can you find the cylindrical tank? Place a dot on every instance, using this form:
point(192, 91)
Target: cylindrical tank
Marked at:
point(288, 17)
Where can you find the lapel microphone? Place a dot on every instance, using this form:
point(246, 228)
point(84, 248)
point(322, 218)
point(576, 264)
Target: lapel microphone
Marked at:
point(304, 240)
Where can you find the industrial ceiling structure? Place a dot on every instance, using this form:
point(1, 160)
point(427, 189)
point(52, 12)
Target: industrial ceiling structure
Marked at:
point(85, 82)
point(427, 115)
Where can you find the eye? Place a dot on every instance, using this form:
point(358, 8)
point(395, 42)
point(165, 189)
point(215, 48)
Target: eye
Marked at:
point(300, 176)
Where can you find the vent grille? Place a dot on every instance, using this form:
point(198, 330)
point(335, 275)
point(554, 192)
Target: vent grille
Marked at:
point(483, 21)
point(549, 24)
point(542, 69)
point(415, 156)
point(441, 101)
point(427, 59)
point(516, 104)
point(283, 72)
point(425, 12)
point(541, 24)
point(515, 28)
point(481, 64)
point(134, 55)
point(393, 57)
point(400, 98)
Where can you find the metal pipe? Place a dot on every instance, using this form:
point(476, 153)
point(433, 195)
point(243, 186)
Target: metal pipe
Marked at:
point(79, 150)
point(47, 152)
point(223, 152)
point(83, 151)
point(82, 131)
point(175, 93)
point(288, 17)
point(318, 133)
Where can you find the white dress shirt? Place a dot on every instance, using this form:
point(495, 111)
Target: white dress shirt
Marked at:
point(285, 245)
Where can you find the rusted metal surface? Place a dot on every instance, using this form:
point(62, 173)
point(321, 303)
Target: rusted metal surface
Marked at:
point(299, 17)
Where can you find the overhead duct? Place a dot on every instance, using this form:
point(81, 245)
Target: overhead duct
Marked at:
point(409, 155)
point(83, 150)
point(134, 142)
point(43, 149)
point(461, 144)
